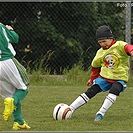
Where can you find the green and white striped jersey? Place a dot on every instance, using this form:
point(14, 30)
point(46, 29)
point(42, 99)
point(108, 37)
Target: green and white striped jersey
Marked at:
point(6, 38)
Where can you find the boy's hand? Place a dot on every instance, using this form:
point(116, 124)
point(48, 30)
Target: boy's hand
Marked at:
point(89, 83)
point(131, 53)
point(9, 27)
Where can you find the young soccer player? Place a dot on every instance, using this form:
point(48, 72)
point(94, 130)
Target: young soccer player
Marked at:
point(109, 71)
point(14, 80)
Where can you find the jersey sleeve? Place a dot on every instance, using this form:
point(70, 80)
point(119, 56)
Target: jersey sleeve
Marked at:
point(13, 36)
point(94, 73)
point(128, 48)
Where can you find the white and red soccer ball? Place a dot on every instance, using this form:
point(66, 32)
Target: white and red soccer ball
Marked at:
point(62, 112)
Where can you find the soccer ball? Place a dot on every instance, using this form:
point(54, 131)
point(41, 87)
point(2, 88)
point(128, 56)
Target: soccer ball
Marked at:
point(62, 112)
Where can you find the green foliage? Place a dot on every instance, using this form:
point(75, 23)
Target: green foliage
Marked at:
point(40, 68)
point(75, 76)
point(66, 28)
point(130, 82)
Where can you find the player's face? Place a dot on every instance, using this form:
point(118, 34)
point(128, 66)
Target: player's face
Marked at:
point(105, 43)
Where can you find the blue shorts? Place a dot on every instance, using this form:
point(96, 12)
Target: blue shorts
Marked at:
point(105, 85)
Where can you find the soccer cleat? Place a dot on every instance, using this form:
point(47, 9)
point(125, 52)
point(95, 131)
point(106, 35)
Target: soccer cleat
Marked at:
point(17, 126)
point(9, 108)
point(98, 118)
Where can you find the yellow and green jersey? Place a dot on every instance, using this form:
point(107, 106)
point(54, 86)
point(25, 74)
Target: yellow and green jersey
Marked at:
point(7, 37)
point(114, 62)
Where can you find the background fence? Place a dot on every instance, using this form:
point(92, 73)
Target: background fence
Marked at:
point(59, 35)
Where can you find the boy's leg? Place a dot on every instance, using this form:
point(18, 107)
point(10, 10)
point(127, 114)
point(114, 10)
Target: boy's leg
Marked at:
point(85, 97)
point(17, 114)
point(109, 100)
point(16, 78)
point(19, 95)
point(19, 123)
point(11, 102)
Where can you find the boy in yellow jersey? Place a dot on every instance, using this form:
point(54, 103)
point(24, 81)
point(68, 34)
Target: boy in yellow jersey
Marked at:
point(14, 80)
point(109, 71)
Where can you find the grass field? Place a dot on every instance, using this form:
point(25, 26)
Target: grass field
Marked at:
point(38, 106)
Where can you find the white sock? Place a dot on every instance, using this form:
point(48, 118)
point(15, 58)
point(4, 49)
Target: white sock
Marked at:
point(109, 100)
point(80, 101)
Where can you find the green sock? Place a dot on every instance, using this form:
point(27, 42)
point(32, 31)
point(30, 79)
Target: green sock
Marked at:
point(17, 114)
point(19, 96)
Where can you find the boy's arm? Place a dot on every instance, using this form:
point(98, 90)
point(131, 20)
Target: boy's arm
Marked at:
point(129, 49)
point(131, 53)
point(94, 74)
point(12, 35)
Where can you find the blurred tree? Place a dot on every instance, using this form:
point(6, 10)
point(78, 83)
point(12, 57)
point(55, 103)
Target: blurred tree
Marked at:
point(66, 28)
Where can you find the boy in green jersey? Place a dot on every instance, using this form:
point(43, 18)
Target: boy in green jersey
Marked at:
point(14, 80)
point(109, 71)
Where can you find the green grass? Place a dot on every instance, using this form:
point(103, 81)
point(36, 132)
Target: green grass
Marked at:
point(38, 106)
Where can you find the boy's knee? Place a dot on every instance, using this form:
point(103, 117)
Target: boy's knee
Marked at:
point(93, 90)
point(26, 91)
point(116, 88)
